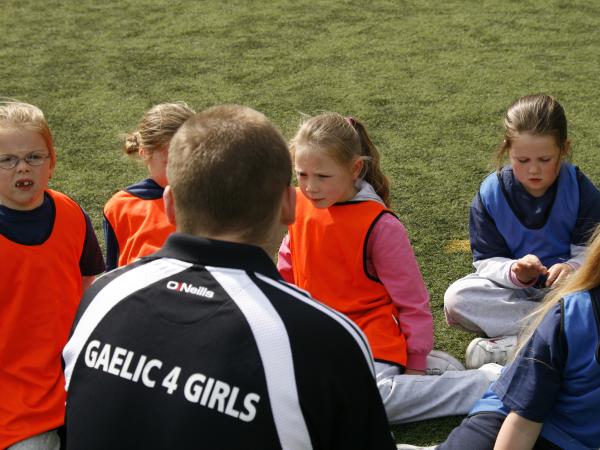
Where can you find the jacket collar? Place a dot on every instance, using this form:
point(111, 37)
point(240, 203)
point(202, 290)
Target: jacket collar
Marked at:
point(211, 252)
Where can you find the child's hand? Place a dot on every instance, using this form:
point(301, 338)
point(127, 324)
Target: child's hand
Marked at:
point(558, 273)
point(414, 372)
point(528, 268)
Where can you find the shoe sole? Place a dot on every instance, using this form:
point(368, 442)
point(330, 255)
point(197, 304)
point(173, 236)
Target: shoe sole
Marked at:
point(450, 361)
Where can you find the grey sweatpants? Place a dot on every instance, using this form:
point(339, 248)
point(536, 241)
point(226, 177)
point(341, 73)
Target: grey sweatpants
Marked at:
point(478, 304)
point(43, 441)
point(410, 398)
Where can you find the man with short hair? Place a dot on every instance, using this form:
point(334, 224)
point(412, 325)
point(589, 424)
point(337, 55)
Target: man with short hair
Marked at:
point(202, 345)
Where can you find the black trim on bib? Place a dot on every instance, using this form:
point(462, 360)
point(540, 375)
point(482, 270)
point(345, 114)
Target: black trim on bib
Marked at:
point(365, 244)
point(595, 297)
point(562, 341)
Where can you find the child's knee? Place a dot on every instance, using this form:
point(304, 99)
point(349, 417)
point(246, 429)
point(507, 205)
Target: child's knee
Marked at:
point(454, 300)
point(461, 304)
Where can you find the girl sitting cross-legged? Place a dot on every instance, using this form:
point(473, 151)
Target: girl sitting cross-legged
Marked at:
point(352, 253)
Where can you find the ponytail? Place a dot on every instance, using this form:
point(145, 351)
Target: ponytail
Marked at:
point(132, 143)
point(156, 128)
point(372, 172)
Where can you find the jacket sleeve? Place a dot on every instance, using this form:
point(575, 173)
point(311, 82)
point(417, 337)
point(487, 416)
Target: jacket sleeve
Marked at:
point(284, 260)
point(392, 259)
point(492, 258)
point(486, 240)
point(112, 245)
point(499, 271)
point(577, 256)
point(91, 262)
point(589, 210)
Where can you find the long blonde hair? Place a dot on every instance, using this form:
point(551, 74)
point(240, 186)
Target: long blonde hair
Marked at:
point(585, 278)
point(346, 140)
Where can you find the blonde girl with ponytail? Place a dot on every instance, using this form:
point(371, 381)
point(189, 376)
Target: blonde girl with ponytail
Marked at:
point(135, 223)
point(350, 251)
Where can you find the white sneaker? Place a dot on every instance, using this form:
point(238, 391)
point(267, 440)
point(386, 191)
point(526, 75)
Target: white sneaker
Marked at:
point(491, 371)
point(490, 350)
point(439, 362)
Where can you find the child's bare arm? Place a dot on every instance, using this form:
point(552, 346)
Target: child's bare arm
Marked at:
point(517, 433)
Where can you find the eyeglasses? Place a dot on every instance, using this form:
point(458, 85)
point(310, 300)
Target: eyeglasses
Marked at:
point(8, 162)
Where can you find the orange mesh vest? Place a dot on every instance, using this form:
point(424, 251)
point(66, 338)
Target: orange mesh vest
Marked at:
point(40, 291)
point(141, 226)
point(328, 248)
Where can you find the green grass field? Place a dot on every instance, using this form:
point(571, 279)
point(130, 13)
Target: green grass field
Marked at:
point(430, 79)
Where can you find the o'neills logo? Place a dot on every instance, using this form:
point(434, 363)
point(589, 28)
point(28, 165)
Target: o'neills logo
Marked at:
point(188, 288)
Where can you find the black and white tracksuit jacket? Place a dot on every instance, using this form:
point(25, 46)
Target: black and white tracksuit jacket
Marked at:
point(203, 346)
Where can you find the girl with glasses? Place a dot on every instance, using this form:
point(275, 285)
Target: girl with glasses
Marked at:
point(50, 254)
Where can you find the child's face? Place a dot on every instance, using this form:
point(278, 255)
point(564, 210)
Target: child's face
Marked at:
point(535, 161)
point(323, 180)
point(22, 187)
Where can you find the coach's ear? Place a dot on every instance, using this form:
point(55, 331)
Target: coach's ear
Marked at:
point(169, 202)
point(288, 206)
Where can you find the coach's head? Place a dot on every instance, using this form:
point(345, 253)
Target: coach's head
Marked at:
point(229, 173)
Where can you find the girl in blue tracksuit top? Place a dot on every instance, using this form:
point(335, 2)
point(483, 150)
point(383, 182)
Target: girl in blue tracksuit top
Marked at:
point(549, 396)
point(528, 226)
